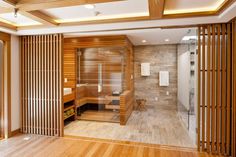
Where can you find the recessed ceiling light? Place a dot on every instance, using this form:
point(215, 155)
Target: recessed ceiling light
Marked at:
point(166, 40)
point(89, 6)
point(144, 41)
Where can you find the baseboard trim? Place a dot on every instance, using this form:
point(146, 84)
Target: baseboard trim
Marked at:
point(15, 132)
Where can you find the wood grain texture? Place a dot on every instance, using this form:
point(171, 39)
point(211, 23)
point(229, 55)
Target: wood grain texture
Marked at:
point(41, 84)
point(156, 8)
point(39, 146)
point(233, 112)
point(126, 106)
point(5, 106)
point(215, 80)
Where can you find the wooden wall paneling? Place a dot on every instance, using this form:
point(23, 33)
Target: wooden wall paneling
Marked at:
point(6, 38)
point(42, 90)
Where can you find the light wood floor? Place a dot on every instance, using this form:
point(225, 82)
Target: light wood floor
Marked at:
point(42, 146)
point(155, 126)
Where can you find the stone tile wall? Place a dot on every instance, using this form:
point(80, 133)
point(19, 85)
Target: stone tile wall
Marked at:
point(162, 58)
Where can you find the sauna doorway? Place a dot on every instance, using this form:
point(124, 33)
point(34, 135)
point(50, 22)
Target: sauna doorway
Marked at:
point(100, 73)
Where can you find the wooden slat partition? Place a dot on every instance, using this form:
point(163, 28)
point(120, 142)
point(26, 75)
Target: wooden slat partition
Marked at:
point(233, 130)
point(214, 85)
point(42, 75)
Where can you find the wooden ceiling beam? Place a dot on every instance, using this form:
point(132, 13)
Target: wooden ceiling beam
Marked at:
point(4, 10)
point(30, 5)
point(156, 8)
point(36, 15)
point(7, 26)
point(40, 17)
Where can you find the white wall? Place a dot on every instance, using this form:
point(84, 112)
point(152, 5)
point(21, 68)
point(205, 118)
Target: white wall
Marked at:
point(15, 84)
point(183, 75)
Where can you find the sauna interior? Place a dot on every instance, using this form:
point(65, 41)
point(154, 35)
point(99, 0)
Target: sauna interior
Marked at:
point(98, 79)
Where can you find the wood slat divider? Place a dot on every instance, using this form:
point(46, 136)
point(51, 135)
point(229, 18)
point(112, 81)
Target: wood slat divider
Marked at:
point(42, 84)
point(223, 91)
point(215, 99)
point(213, 124)
point(233, 99)
point(203, 88)
point(199, 87)
point(228, 101)
point(218, 89)
point(208, 87)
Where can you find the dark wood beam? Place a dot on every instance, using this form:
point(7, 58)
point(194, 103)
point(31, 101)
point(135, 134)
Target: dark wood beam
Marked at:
point(156, 8)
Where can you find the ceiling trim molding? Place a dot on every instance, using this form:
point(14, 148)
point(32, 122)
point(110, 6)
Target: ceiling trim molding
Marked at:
point(106, 21)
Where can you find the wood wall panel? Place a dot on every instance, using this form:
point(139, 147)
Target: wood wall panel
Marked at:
point(42, 84)
point(5, 104)
point(126, 106)
point(215, 95)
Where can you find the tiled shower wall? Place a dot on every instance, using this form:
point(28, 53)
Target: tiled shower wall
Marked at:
point(162, 58)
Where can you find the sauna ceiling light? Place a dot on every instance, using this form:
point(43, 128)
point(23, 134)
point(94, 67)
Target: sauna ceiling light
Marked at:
point(144, 41)
point(166, 40)
point(89, 6)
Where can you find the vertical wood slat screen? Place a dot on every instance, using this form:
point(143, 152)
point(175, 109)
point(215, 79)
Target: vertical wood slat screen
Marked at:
point(41, 59)
point(234, 91)
point(214, 86)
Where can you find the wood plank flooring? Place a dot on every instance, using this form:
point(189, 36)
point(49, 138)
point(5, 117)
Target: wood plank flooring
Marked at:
point(43, 146)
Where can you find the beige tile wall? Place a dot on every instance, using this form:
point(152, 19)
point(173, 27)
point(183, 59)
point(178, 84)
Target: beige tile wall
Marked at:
point(161, 57)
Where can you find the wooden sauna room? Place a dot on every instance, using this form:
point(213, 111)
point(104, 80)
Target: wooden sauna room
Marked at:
point(98, 79)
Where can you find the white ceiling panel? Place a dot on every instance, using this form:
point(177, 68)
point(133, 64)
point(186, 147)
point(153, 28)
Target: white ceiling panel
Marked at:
point(152, 36)
point(128, 8)
point(20, 20)
point(186, 6)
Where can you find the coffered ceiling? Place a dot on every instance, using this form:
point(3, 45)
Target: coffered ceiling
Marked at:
point(20, 15)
